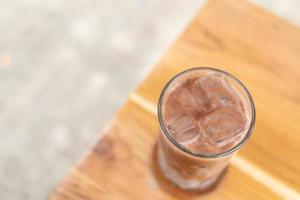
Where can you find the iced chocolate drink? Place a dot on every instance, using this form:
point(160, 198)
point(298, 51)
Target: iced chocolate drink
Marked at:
point(205, 115)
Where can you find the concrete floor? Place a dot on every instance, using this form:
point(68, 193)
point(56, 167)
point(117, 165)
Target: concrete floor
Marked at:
point(66, 67)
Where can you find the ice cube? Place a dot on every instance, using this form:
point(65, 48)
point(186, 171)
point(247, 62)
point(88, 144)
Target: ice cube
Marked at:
point(201, 144)
point(172, 106)
point(183, 128)
point(193, 99)
point(219, 91)
point(224, 125)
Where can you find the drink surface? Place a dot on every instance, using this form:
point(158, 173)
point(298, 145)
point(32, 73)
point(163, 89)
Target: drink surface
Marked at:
point(205, 114)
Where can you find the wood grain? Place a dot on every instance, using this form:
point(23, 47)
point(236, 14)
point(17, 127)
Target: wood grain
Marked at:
point(254, 45)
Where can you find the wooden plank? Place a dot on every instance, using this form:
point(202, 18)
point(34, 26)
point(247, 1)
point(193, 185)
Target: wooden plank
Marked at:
point(256, 46)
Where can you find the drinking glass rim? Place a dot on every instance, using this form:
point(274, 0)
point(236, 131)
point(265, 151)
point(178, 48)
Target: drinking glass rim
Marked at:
point(206, 155)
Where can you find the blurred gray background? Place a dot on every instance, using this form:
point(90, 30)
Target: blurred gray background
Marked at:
point(66, 67)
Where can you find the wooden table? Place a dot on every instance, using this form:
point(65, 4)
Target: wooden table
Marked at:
point(256, 46)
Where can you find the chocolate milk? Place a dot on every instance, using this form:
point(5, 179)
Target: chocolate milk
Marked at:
point(205, 117)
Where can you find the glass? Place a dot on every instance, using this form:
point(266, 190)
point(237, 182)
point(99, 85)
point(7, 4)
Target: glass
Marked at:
point(191, 170)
